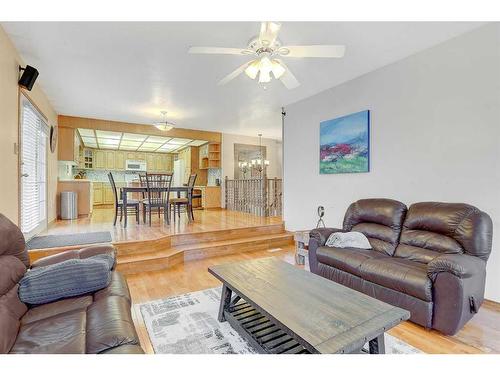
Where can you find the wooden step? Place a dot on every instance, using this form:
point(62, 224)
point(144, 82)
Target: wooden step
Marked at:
point(168, 241)
point(168, 257)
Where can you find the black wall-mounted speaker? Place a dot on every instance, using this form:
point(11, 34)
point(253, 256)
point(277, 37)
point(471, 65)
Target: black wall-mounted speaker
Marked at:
point(28, 77)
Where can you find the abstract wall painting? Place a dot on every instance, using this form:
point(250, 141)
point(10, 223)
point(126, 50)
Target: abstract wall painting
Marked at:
point(345, 144)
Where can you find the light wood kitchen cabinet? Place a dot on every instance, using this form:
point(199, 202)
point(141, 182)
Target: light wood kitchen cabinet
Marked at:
point(68, 148)
point(120, 160)
point(109, 197)
point(100, 159)
point(110, 160)
point(150, 163)
point(130, 155)
point(159, 163)
point(98, 193)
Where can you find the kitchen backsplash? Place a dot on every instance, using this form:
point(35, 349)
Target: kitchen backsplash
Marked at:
point(102, 175)
point(127, 176)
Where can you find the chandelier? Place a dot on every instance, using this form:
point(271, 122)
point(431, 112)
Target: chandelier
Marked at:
point(260, 163)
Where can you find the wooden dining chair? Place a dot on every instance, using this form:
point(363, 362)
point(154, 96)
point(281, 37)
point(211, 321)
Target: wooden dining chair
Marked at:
point(187, 201)
point(132, 204)
point(158, 195)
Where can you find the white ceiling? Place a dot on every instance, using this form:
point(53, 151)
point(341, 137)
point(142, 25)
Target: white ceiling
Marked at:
point(131, 71)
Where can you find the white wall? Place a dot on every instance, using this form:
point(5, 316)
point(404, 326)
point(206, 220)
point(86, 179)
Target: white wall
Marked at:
point(435, 135)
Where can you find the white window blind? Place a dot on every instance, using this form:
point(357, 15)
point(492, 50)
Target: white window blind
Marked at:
point(34, 131)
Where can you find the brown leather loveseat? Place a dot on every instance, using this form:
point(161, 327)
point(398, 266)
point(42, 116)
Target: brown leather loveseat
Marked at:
point(429, 259)
point(99, 322)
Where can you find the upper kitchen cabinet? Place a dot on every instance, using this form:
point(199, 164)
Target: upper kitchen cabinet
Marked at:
point(69, 144)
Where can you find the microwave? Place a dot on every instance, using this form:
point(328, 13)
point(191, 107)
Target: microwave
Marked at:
point(135, 165)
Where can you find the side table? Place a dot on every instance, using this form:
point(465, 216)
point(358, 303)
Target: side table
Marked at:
point(301, 239)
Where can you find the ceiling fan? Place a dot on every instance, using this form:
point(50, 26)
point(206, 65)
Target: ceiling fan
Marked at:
point(267, 52)
point(164, 125)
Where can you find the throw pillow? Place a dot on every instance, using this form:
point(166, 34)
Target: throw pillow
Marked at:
point(349, 239)
point(70, 278)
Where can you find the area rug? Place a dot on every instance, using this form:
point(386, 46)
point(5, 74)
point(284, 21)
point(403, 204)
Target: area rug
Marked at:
point(60, 240)
point(187, 324)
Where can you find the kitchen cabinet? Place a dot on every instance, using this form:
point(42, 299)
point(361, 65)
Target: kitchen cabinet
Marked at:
point(109, 197)
point(98, 193)
point(69, 144)
point(150, 163)
point(110, 160)
point(100, 161)
point(120, 160)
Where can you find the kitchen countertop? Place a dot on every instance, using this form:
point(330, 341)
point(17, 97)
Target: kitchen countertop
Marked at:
point(75, 180)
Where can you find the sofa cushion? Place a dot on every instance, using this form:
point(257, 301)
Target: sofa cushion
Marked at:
point(378, 219)
point(64, 333)
point(109, 324)
point(84, 253)
point(402, 275)
point(72, 277)
point(433, 228)
point(347, 259)
point(117, 287)
point(52, 309)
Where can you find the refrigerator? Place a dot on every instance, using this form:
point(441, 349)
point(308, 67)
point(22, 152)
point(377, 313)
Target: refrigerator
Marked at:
point(179, 171)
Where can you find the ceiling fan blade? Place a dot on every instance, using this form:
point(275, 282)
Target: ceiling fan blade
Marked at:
point(269, 32)
point(312, 51)
point(234, 74)
point(220, 51)
point(288, 79)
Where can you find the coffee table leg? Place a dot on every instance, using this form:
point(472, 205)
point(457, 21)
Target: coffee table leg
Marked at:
point(377, 345)
point(225, 302)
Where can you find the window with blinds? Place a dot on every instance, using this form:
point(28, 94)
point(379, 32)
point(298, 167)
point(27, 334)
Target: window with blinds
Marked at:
point(33, 151)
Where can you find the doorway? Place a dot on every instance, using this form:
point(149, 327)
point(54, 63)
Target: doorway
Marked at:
point(33, 169)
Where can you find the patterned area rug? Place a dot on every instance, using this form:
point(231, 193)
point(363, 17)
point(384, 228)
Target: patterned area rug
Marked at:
point(187, 324)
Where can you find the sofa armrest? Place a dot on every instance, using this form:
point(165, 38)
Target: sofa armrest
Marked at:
point(458, 290)
point(83, 253)
point(320, 235)
point(317, 238)
point(461, 265)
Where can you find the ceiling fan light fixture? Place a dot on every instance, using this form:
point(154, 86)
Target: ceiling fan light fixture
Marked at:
point(277, 69)
point(253, 69)
point(264, 76)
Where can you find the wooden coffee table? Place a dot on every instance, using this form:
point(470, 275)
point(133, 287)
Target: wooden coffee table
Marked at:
point(279, 309)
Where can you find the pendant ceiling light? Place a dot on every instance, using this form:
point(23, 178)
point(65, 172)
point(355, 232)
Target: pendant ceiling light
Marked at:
point(164, 125)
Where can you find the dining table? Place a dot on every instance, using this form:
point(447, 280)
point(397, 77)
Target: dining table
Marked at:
point(143, 189)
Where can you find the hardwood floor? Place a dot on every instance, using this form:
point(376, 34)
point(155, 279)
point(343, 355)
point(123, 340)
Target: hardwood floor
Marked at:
point(480, 335)
point(205, 220)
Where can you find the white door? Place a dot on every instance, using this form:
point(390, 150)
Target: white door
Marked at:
point(33, 170)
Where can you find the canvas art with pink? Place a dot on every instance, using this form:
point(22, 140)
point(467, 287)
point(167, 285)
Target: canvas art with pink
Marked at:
point(345, 144)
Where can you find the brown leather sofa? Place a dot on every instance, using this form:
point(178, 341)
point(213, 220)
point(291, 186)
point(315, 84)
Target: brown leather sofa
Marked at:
point(429, 259)
point(99, 322)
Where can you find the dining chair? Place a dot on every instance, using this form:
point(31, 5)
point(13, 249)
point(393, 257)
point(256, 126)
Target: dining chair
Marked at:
point(158, 195)
point(187, 201)
point(132, 204)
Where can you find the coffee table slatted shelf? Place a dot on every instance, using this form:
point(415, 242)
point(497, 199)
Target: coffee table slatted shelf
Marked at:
point(260, 332)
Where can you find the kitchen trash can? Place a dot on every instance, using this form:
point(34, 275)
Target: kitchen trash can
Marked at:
point(69, 205)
